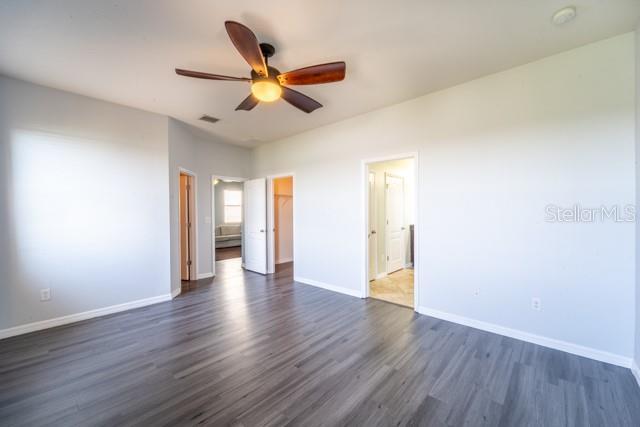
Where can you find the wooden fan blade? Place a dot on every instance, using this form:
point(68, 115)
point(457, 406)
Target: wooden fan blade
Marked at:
point(200, 75)
point(247, 44)
point(299, 100)
point(323, 73)
point(248, 103)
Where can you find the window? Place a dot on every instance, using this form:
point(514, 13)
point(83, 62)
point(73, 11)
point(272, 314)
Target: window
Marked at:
point(232, 206)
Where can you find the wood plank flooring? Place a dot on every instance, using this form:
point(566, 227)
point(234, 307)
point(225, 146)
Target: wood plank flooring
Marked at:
point(228, 253)
point(249, 350)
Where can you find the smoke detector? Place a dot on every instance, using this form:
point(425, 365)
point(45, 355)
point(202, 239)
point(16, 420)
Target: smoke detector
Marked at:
point(564, 15)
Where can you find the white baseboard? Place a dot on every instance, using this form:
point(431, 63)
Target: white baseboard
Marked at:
point(333, 288)
point(635, 370)
point(204, 275)
point(77, 317)
point(176, 292)
point(381, 276)
point(591, 353)
point(282, 261)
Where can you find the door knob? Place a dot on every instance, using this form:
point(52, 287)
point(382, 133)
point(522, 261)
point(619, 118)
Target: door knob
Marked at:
point(373, 231)
point(262, 231)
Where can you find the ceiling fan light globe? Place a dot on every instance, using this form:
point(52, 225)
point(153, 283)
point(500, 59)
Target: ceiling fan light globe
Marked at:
point(266, 90)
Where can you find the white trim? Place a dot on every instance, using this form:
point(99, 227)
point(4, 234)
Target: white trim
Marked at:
point(635, 370)
point(176, 292)
point(333, 288)
point(364, 290)
point(591, 353)
point(381, 276)
point(205, 275)
point(77, 317)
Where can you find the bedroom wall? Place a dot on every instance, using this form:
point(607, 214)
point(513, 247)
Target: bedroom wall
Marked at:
point(197, 151)
point(84, 206)
point(637, 183)
point(494, 152)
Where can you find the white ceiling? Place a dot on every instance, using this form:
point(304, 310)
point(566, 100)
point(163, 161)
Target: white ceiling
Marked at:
point(126, 51)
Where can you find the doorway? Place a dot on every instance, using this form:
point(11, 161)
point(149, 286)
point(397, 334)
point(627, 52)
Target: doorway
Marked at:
point(280, 218)
point(187, 226)
point(269, 224)
point(228, 224)
point(390, 216)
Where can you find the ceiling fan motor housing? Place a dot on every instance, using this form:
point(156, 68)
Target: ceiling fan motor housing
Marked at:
point(273, 75)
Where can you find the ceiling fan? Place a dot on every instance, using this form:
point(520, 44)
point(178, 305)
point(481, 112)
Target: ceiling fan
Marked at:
point(267, 83)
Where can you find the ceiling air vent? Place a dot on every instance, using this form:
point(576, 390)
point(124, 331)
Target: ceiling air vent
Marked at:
point(209, 119)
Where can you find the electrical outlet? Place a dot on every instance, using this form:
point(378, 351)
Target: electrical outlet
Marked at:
point(45, 294)
point(536, 304)
point(476, 293)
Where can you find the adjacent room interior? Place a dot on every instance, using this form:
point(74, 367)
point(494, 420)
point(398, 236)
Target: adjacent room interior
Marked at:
point(228, 219)
point(391, 222)
point(336, 213)
point(282, 222)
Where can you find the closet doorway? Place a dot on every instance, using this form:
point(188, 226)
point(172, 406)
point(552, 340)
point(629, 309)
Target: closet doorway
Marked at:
point(280, 223)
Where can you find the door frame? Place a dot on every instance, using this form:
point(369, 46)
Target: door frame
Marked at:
point(271, 246)
point(193, 273)
point(213, 219)
point(364, 179)
point(386, 220)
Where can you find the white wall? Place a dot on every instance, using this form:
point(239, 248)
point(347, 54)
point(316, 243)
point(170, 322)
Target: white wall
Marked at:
point(199, 152)
point(637, 182)
point(405, 169)
point(84, 207)
point(493, 153)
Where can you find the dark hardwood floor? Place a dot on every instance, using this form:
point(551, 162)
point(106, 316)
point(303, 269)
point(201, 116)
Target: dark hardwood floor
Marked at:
point(250, 350)
point(228, 253)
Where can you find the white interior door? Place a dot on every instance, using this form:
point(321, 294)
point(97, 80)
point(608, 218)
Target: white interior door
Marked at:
point(394, 229)
point(372, 233)
point(255, 225)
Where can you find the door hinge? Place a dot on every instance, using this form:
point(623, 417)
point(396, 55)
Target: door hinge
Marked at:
point(387, 257)
point(188, 187)
point(189, 262)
